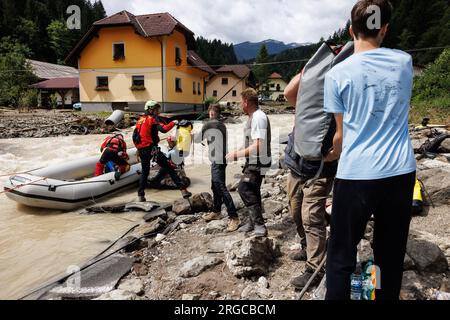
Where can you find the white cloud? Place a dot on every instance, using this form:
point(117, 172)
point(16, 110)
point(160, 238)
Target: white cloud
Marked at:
point(248, 20)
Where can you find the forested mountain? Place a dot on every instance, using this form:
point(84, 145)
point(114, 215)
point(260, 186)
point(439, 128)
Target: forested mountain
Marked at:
point(249, 50)
point(215, 52)
point(40, 25)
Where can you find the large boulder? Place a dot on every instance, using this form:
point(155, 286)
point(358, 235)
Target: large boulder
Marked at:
point(252, 256)
point(181, 207)
point(195, 267)
point(436, 177)
point(427, 256)
point(202, 202)
point(216, 226)
point(445, 145)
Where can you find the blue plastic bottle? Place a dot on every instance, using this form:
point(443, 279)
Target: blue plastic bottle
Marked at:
point(356, 284)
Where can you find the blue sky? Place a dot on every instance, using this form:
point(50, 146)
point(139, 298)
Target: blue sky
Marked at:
point(248, 20)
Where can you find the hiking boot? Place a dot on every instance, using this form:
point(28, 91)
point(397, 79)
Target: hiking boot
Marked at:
point(212, 216)
point(248, 227)
point(300, 282)
point(233, 224)
point(186, 194)
point(299, 255)
point(260, 230)
point(142, 199)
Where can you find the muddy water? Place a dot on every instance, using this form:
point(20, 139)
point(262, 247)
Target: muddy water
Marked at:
point(39, 245)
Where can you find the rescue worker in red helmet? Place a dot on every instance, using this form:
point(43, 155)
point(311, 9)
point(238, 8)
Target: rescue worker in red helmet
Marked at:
point(113, 149)
point(146, 139)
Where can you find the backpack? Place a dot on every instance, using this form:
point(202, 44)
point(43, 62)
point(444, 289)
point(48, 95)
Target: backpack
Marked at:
point(137, 134)
point(312, 122)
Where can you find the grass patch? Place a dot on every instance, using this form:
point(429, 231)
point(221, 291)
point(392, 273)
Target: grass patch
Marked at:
point(437, 109)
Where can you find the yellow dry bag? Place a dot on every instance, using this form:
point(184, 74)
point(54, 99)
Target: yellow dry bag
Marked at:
point(184, 137)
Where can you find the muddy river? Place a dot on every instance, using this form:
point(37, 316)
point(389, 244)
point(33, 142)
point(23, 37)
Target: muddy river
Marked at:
point(40, 245)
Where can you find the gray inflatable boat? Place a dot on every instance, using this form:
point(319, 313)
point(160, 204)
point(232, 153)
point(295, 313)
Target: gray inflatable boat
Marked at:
point(69, 185)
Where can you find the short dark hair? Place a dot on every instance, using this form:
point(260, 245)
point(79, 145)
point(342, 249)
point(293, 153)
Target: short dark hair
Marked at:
point(251, 96)
point(361, 14)
point(215, 107)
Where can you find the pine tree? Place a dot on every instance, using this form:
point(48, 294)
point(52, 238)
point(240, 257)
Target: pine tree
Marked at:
point(261, 70)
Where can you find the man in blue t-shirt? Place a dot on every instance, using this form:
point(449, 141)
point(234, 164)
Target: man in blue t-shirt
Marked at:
point(369, 94)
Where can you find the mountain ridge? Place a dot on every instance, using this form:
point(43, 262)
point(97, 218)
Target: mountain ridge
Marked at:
point(249, 50)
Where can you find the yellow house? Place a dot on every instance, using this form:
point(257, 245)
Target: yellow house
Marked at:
point(125, 60)
point(275, 87)
point(228, 83)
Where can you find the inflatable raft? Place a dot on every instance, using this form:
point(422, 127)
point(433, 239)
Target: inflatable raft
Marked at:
point(69, 185)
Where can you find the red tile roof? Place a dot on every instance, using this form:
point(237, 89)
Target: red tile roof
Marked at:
point(59, 83)
point(275, 76)
point(241, 71)
point(149, 25)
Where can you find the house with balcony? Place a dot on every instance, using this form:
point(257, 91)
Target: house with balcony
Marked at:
point(125, 60)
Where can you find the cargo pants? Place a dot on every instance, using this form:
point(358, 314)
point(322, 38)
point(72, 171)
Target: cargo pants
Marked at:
point(307, 206)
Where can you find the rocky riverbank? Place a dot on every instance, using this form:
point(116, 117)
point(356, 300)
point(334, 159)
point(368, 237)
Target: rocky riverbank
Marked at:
point(41, 124)
point(175, 254)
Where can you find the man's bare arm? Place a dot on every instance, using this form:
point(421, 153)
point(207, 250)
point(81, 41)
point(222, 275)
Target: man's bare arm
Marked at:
point(253, 149)
point(292, 88)
point(335, 152)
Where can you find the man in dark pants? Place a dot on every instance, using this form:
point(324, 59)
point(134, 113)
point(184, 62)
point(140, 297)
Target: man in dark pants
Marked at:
point(147, 130)
point(216, 134)
point(369, 93)
point(257, 152)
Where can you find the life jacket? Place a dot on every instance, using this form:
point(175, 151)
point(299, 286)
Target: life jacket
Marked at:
point(146, 134)
point(115, 143)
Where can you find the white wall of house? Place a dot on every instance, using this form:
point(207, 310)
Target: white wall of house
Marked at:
point(234, 84)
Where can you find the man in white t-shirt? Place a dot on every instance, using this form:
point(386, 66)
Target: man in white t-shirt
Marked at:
point(258, 155)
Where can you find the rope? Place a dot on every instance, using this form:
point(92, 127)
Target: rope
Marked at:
point(16, 173)
point(22, 185)
point(243, 64)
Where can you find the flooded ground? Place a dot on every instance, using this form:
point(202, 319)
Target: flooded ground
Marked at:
point(38, 245)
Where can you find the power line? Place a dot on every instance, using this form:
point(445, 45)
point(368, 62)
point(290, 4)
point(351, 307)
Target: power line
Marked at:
point(219, 66)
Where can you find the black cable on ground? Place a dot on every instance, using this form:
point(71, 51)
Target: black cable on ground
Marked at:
point(61, 280)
